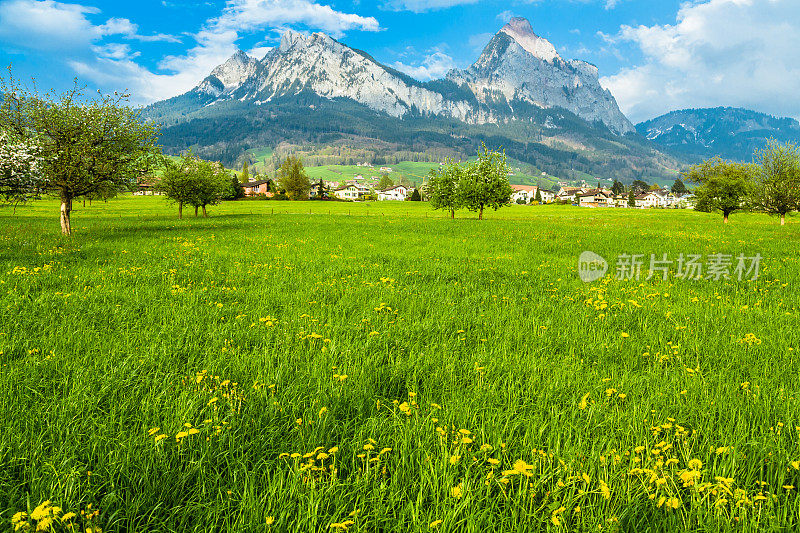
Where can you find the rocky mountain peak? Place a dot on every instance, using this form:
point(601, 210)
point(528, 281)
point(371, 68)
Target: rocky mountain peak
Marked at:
point(235, 71)
point(289, 39)
point(521, 31)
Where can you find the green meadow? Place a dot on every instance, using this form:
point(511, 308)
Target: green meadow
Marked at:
point(325, 367)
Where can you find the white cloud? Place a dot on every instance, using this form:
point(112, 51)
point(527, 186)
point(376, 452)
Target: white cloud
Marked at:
point(434, 66)
point(479, 41)
point(420, 6)
point(505, 16)
point(49, 25)
point(719, 52)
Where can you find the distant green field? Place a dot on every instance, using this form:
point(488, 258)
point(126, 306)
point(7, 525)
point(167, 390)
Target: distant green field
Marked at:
point(378, 367)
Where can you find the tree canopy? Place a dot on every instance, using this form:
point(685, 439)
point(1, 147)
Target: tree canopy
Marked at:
point(777, 180)
point(723, 185)
point(441, 188)
point(484, 183)
point(193, 181)
point(292, 178)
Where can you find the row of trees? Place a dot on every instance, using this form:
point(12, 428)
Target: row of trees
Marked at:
point(771, 184)
point(474, 185)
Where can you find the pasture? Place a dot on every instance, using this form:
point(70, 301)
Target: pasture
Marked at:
point(380, 367)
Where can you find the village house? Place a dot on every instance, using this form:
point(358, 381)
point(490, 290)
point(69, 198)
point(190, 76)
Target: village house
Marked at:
point(351, 192)
point(547, 196)
point(647, 200)
point(526, 193)
point(145, 186)
point(595, 198)
point(398, 192)
point(567, 194)
point(252, 188)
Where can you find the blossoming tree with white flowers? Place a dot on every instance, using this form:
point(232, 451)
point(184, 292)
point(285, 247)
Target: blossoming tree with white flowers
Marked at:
point(20, 169)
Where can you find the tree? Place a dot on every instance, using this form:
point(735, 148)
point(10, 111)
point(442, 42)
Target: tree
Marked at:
point(617, 188)
point(639, 186)
point(678, 187)
point(631, 199)
point(415, 196)
point(192, 181)
point(777, 180)
point(245, 176)
point(538, 198)
point(293, 179)
point(442, 187)
point(87, 145)
point(385, 183)
point(484, 183)
point(723, 185)
point(210, 184)
point(235, 190)
point(20, 177)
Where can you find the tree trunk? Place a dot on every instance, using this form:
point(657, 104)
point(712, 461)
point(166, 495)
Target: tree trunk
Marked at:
point(783, 219)
point(480, 214)
point(195, 210)
point(452, 213)
point(180, 209)
point(725, 219)
point(84, 202)
point(66, 209)
point(204, 212)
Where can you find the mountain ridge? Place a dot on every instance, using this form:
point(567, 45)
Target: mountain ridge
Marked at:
point(730, 132)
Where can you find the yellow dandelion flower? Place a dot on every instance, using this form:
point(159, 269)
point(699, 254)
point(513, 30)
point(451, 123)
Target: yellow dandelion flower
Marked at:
point(435, 524)
point(695, 464)
point(454, 459)
point(270, 520)
point(465, 432)
point(604, 490)
point(456, 491)
point(492, 461)
point(624, 335)
point(584, 401)
point(42, 510)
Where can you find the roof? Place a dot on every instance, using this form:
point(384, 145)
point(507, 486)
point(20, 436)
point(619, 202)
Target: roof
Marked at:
point(255, 183)
point(529, 188)
point(393, 188)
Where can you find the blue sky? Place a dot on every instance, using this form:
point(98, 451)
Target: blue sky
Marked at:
point(654, 55)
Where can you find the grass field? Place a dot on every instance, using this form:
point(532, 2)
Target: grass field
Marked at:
point(379, 367)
